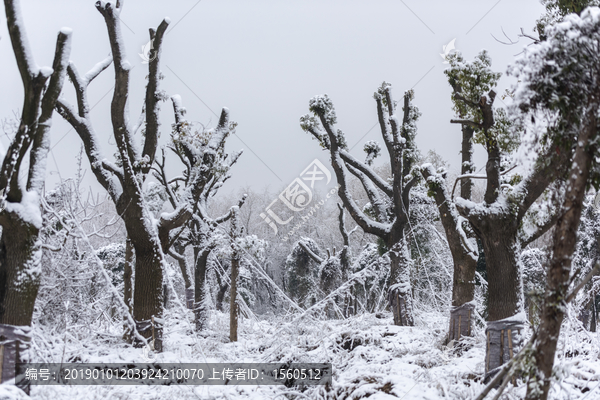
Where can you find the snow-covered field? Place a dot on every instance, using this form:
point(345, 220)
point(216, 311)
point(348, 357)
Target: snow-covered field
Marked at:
point(370, 356)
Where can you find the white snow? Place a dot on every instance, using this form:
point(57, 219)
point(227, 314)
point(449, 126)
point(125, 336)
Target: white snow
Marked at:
point(28, 209)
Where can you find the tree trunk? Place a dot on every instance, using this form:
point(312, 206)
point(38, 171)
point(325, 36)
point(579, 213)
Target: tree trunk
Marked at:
point(466, 185)
point(20, 253)
point(148, 296)
point(593, 312)
point(127, 286)
point(498, 233)
point(233, 304)
point(506, 316)
point(557, 280)
point(463, 289)
point(504, 275)
point(200, 299)
point(400, 295)
point(235, 267)
point(464, 258)
point(221, 296)
point(189, 290)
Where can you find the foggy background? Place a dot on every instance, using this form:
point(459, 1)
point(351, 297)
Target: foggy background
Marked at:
point(264, 60)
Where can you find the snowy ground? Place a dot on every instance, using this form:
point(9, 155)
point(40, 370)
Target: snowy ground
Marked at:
point(370, 357)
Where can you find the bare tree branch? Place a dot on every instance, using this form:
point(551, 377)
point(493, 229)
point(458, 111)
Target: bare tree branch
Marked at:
point(153, 98)
point(41, 138)
point(310, 253)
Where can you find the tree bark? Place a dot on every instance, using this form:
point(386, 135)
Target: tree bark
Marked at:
point(400, 294)
point(127, 286)
point(148, 296)
point(466, 185)
point(200, 306)
point(19, 283)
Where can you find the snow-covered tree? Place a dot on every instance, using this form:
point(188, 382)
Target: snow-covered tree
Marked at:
point(301, 266)
point(207, 167)
point(388, 213)
point(21, 214)
point(123, 179)
point(560, 81)
point(470, 82)
point(534, 262)
point(585, 257)
point(499, 221)
point(556, 10)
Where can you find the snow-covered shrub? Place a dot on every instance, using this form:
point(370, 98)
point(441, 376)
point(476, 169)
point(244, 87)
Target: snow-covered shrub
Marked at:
point(301, 282)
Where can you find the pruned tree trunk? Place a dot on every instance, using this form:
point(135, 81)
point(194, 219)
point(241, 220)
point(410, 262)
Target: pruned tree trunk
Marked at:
point(21, 216)
point(204, 175)
point(505, 289)
point(124, 182)
point(201, 292)
point(19, 283)
point(496, 222)
point(148, 295)
point(400, 294)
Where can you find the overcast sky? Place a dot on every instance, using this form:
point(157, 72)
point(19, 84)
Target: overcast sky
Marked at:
point(264, 60)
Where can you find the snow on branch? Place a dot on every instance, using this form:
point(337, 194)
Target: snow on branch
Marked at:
point(153, 97)
point(18, 38)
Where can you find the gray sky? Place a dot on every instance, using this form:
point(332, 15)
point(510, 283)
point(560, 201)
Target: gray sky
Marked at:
point(264, 60)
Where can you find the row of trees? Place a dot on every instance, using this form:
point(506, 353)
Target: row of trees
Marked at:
point(556, 105)
point(201, 151)
point(553, 110)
